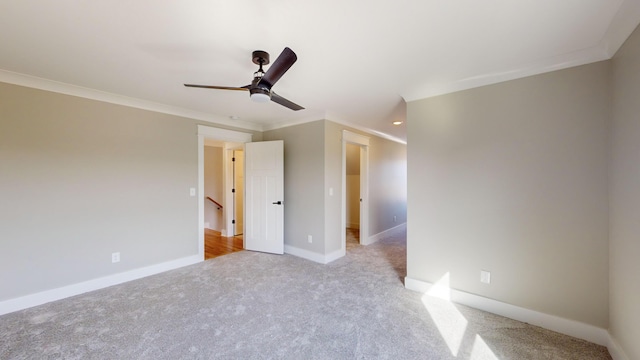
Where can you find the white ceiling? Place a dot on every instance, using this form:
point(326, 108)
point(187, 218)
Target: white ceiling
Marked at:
point(358, 61)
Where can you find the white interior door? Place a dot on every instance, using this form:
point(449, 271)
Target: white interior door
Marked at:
point(264, 196)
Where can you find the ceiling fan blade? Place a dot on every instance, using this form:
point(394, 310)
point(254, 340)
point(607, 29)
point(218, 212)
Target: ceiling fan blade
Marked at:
point(244, 88)
point(279, 67)
point(284, 102)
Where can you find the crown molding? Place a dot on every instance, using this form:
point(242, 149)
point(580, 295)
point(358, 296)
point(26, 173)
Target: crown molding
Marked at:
point(367, 130)
point(560, 62)
point(334, 119)
point(79, 91)
point(284, 124)
point(621, 26)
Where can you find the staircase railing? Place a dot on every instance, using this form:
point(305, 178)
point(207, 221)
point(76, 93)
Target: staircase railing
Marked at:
point(215, 202)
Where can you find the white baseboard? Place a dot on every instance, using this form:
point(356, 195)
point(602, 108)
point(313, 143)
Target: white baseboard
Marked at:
point(383, 234)
point(615, 350)
point(313, 256)
point(44, 297)
point(573, 328)
point(334, 256)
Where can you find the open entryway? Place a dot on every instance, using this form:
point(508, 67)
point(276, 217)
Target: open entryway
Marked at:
point(352, 188)
point(217, 240)
point(355, 181)
point(254, 209)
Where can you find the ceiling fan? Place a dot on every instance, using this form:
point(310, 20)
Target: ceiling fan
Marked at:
point(260, 87)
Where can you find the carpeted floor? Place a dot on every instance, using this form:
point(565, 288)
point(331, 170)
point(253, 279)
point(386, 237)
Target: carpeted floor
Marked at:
point(249, 305)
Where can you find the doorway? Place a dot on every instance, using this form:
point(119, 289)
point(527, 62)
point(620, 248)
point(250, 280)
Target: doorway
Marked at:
point(262, 216)
point(213, 185)
point(352, 188)
point(229, 141)
point(215, 244)
point(355, 197)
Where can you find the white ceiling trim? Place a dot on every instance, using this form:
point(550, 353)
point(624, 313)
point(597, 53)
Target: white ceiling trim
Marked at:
point(73, 90)
point(624, 22)
point(333, 119)
point(285, 124)
point(224, 134)
point(560, 62)
point(564, 61)
point(368, 131)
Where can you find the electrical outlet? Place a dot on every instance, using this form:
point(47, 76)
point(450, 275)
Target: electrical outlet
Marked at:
point(395, 218)
point(115, 257)
point(309, 239)
point(485, 277)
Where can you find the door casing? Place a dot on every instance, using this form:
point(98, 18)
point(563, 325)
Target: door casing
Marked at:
point(349, 137)
point(232, 139)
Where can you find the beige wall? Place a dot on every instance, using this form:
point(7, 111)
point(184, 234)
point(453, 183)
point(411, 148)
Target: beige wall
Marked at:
point(304, 184)
point(387, 183)
point(333, 179)
point(624, 246)
point(512, 178)
point(313, 166)
point(213, 187)
point(81, 179)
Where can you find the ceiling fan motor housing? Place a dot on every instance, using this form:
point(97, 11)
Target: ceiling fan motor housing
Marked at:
point(260, 57)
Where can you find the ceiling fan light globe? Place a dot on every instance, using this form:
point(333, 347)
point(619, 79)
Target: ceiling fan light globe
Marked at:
point(260, 97)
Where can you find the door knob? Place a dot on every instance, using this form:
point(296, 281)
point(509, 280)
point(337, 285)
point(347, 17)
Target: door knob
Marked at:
point(277, 203)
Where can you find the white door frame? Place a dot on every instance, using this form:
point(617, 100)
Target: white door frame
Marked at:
point(349, 137)
point(230, 212)
point(227, 136)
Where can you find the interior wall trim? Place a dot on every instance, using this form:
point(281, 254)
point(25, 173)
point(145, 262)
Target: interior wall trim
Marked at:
point(386, 233)
point(224, 134)
point(573, 328)
point(621, 26)
point(313, 256)
point(615, 350)
point(87, 93)
point(355, 138)
point(25, 302)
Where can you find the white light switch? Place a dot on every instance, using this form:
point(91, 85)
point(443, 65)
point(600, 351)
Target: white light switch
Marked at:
point(330, 191)
point(192, 192)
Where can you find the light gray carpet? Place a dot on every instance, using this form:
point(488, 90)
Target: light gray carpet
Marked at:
point(258, 306)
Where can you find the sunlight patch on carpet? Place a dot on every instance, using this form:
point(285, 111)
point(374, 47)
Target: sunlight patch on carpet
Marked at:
point(451, 324)
point(449, 321)
point(481, 351)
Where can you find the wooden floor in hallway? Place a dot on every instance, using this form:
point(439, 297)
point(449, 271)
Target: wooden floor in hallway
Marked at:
point(217, 245)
